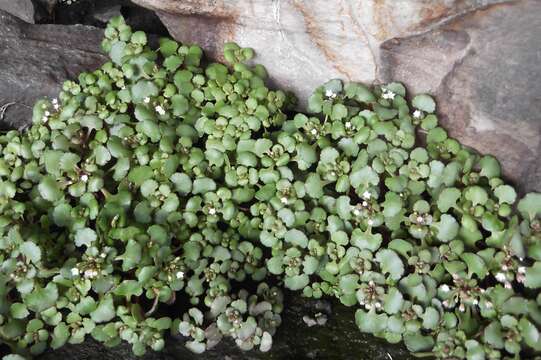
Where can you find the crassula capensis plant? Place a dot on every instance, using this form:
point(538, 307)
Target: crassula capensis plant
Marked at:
point(159, 179)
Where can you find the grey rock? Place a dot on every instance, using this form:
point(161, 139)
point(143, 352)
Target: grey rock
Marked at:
point(339, 338)
point(484, 69)
point(36, 59)
point(305, 43)
point(23, 9)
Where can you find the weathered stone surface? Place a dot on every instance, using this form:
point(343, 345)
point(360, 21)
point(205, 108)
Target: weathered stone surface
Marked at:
point(484, 69)
point(23, 9)
point(36, 59)
point(304, 43)
point(339, 338)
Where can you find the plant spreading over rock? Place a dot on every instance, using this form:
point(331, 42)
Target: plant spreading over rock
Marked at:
point(156, 180)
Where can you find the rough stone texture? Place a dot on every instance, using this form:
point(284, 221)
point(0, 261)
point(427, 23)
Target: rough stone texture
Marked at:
point(339, 338)
point(479, 57)
point(36, 59)
point(303, 43)
point(23, 9)
point(484, 69)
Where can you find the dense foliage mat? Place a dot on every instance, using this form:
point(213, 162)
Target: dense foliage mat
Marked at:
point(158, 185)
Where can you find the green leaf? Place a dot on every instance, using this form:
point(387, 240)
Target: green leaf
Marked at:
point(143, 89)
point(392, 204)
point(42, 298)
point(390, 263)
point(49, 189)
point(203, 185)
point(476, 265)
point(349, 283)
point(102, 155)
point(339, 111)
point(296, 237)
point(530, 206)
point(370, 322)
point(418, 342)
point(366, 240)
point(505, 194)
point(431, 318)
point(393, 301)
point(31, 251)
point(296, 282)
point(128, 288)
point(493, 335)
point(490, 167)
point(105, 311)
point(139, 174)
point(448, 198)
point(424, 102)
point(314, 186)
point(447, 228)
point(85, 236)
point(476, 194)
point(365, 176)
point(18, 311)
point(533, 276)
point(306, 156)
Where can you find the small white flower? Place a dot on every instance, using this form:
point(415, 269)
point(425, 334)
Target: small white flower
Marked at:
point(44, 119)
point(370, 222)
point(501, 277)
point(90, 273)
point(84, 178)
point(283, 200)
point(419, 219)
point(103, 255)
point(389, 95)
point(522, 270)
point(333, 173)
point(368, 306)
point(507, 285)
point(475, 302)
point(378, 305)
point(47, 113)
point(504, 267)
point(348, 125)
point(160, 110)
point(417, 114)
point(55, 101)
point(367, 195)
point(371, 283)
point(212, 211)
point(74, 272)
point(330, 94)
point(357, 211)
point(314, 131)
point(146, 100)
point(179, 274)
point(445, 288)
point(364, 203)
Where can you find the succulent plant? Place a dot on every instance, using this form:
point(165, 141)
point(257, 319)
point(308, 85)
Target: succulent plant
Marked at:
point(159, 177)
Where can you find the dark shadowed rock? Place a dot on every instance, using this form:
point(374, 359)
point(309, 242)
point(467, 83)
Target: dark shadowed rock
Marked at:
point(484, 69)
point(36, 59)
point(23, 9)
point(338, 339)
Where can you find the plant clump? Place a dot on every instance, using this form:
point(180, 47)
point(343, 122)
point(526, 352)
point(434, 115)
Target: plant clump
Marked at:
point(159, 180)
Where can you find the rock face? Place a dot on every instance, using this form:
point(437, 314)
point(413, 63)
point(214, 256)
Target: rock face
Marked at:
point(479, 57)
point(484, 69)
point(339, 338)
point(36, 59)
point(23, 9)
